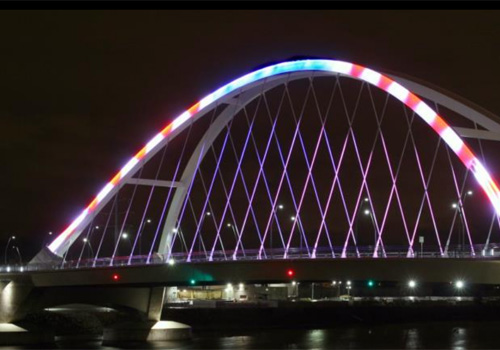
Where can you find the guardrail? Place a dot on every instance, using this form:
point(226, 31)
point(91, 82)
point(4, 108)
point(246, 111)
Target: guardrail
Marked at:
point(480, 252)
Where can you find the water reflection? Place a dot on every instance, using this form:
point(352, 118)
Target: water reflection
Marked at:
point(431, 335)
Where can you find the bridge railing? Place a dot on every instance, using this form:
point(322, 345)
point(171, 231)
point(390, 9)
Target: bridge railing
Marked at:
point(479, 252)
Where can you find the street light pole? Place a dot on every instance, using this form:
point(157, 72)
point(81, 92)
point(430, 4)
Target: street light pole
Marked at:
point(7, 247)
point(275, 211)
point(19, 254)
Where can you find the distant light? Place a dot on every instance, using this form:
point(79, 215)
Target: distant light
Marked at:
point(148, 221)
point(8, 268)
point(97, 227)
point(454, 205)
point(228, 225)
point(367, 212)
point(116, 277)
point(366, 199)
point(334, 282)
point(294, 283)
point(469, 193)
point(21, 269)
point(229, 286)
point(171, 262)
point(124, 235)
point(412, 284)
point(241, 286)
point(13, 237)
point(280, 206)
point(290, 272)
point(292, 218)
point(50, 233)
point(85, 239)
point(175, 230)
point(208, 213)
point(370, 283)
point(192, 282)
point(459, 284)
point(348, 283)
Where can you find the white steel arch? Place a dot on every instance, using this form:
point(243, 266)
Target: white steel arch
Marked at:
point(246, 88)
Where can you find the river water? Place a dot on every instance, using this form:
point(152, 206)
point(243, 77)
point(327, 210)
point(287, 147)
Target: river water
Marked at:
point(431, 335)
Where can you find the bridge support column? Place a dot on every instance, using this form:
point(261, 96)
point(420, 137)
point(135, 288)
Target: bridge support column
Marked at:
point(150, 329)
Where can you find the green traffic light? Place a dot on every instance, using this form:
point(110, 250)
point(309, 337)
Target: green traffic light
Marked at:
point(371, 283)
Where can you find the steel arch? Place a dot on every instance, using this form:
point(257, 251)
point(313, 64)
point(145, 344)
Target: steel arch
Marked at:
point(274, 75)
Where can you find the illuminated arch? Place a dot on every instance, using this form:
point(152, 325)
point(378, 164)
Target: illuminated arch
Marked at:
point(273, 75)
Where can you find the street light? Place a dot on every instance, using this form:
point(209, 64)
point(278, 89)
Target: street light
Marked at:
point(7, 246)
point(19, 254)
point(412, 284)
point(280, 207)
point(87, 242)
point(458, 207)
point(459, 284)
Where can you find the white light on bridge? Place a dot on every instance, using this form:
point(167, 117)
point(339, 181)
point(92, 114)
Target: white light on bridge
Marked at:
point(412, 284)
point(367, 212)
point(459, 284)
point(124, 235)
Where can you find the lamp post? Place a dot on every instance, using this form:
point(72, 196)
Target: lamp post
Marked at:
point(141, 230)
point(461, 239)
point(7, 247)
point(280, 207)
point(18, 254)
point(356, 226)
point(369, 213)
point(293, 218)
point(86, 241)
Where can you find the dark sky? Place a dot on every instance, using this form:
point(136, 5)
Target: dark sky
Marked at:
point(82, 91)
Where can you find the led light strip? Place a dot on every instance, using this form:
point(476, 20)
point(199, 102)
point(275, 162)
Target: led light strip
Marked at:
point(352, 70)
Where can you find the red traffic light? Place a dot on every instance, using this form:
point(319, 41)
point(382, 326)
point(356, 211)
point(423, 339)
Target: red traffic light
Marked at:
point(290, 273)
point(116, 277)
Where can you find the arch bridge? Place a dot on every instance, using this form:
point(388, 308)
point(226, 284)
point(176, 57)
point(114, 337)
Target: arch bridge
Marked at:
point(323, 165)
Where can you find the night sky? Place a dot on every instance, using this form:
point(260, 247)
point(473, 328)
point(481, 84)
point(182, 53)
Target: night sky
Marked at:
point(82, 91)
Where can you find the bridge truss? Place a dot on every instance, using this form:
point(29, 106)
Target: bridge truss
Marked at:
point(303, 159)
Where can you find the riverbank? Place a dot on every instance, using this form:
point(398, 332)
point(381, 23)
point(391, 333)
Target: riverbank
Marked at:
point(325, 314)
